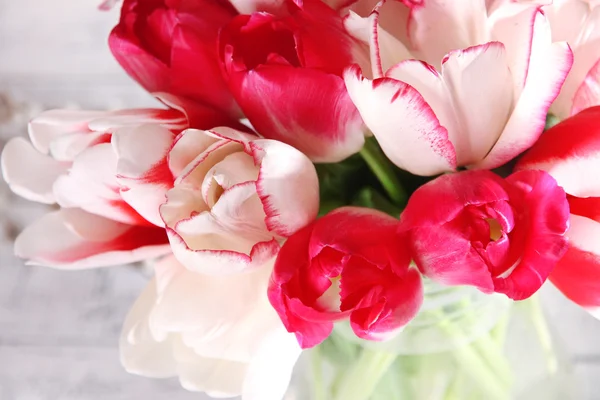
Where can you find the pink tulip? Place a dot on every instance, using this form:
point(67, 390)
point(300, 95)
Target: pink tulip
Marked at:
point(170, 46)
point(570, 152)
point(352, 264)
point(499, 235)
point(479, 98)
point(236, 196)
point(285, 71)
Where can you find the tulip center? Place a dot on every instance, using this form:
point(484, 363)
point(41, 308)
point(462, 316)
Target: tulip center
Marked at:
point(495, 229)
point(266, 41)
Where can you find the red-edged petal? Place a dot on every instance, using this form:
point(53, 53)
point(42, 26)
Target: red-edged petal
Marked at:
point(404, 124)
point(142, 169)
point(569, 151)
point(577, 274)
point(29, 173)
point(229, 238)
point(471, 98)
point(288, 186)
point(74, 239)
point(542, 86)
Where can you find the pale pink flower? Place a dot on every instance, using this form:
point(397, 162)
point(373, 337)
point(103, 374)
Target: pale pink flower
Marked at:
point(578, 23)
point(71, 161)
point(236, 200)
point(218, 334)
point(479, 97)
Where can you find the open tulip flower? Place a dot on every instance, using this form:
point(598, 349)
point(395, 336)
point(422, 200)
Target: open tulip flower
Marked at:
point(456, 84)
point(326, 174)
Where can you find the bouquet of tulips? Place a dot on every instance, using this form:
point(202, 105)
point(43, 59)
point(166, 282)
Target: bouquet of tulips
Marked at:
point(316, 164)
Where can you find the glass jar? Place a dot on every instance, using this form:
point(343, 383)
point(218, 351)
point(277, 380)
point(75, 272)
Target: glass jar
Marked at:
point(463, 345)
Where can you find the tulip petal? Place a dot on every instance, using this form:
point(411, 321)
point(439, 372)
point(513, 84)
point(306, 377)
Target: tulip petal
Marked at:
point(588, 94)
point(438, 26)
point(385, 32)
point(208, 331)
point(52, 124)
point(140, 352)
point(229, 239)
point(576, 23)
point(142, 170)
point(29, 173)
point(75, 239)
point(92, 186)
point(513, 24)
point(470, 97)
point(569, 151)
point(307, 324)
point(542, 86)
point(404, 124)
point(317, 117)
point(271, 369)
point(577, 274)
point(538, 239)
point(170, 119)
point(288, 186)
point(477, 78)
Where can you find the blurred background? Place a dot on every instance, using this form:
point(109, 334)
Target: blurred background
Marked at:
point(59, 330)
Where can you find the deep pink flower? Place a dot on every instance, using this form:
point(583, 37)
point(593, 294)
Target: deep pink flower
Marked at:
point(171, 46)
point(285, 72)
point(349, 264)
point(500, 235)
point(570, 152)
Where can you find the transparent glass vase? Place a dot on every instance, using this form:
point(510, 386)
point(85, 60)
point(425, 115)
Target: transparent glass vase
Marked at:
point(463, 345)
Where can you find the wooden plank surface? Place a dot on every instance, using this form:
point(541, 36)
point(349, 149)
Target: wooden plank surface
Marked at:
point(59, 330)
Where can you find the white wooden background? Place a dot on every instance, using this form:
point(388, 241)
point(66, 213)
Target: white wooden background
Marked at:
point(59, 330)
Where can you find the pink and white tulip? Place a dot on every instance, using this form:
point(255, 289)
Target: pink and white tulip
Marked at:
point(578, 23)
point(499, 235)
point(71, 160)
point(570, 152)
point(285, 67)
point(217, 334)
point(236, 199)
point(479, 97)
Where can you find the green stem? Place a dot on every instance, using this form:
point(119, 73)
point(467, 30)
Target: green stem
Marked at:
point(475, 366)
point(541, 327)
point(361, 379)
point(316, 362)
point(383, 170)
point(500, 330)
